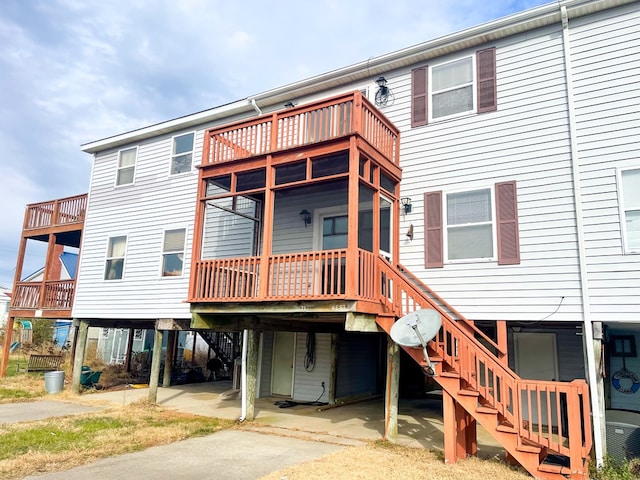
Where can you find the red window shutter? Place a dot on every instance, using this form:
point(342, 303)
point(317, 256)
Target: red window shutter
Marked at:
point(433, 230)
point(419, 101)
point(486, 79)
point(507, 213)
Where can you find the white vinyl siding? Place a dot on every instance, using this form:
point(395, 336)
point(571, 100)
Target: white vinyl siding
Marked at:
point(144, 211)
point(307, 385)
point(526, 140)
point(182, 154)
point(605, 54)
point(126, 166)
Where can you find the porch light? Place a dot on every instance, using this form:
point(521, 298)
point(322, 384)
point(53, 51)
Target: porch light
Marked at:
point(289, 104)
point(406, 204)
point(306, 217)
point(383, 95)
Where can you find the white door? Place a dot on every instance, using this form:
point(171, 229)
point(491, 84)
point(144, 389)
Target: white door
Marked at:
point(282, 365)
point(536, 359)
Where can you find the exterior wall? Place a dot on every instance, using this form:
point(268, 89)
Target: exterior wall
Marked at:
point(358, 360)
point(142, 211)
point(619, 399)
point(307, 385)
point(605, 61)
point(526, 140)
point(289, 232)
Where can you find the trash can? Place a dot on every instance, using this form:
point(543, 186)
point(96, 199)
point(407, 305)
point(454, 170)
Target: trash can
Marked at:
point(54, 381)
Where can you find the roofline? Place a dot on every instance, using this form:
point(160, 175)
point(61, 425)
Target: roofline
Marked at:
point(500, 28)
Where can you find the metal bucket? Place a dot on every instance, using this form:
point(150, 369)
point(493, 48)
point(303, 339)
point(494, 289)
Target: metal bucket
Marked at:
point(54, 381)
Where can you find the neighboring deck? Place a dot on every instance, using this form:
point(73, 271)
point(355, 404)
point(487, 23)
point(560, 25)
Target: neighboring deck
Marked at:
point(57, 222)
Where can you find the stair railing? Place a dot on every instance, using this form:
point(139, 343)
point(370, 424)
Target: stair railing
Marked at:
point(542, 412)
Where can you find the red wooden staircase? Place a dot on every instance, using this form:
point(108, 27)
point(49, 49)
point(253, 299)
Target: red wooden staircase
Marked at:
point(544, 426)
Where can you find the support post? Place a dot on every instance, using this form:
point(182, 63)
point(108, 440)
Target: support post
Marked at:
point(168, 358)
point(253, 344)
point(8, 331)
point(391, 391)
point(460, 434)
point(333, 369)
point(127, 356)
point(78, 358)
point(155, 366)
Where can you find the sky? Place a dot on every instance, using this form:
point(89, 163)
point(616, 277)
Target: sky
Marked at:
point(75, 71)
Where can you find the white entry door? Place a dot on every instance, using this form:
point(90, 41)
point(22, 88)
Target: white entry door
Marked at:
point(282, 365)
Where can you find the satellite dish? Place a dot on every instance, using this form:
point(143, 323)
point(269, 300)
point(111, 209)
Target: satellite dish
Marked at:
point(415, 330)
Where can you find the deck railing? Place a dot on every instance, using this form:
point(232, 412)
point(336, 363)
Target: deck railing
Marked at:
point(59, 212)
point(325, 120)
point(51, 295)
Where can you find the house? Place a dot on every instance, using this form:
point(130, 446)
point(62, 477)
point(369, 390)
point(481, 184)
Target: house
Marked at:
point(489, 176)
point(5, 300)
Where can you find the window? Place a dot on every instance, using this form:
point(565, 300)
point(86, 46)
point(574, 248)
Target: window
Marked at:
point(126, 166)
point(630, 209)
point(463, 226)
point(115, 258)
point(182, 154)
point(452, 88)
point(137, 334)
point(456, 87)
point(469, 225)
point(334, 232)
point(173, 252)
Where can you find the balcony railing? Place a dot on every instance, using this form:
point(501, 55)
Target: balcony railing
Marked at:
point(297, 276)
point(51, 295)
point(64, 211)
point(326, 120)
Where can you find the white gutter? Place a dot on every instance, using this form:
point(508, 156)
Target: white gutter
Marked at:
point(592, 368)
point(243, 377)
point(488, 32)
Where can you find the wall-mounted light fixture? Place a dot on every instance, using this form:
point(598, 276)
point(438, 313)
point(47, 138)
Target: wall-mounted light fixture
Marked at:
point(306, 217)
point(410, 232)
point(384, 95)
point(289, 104)
point(406, 204)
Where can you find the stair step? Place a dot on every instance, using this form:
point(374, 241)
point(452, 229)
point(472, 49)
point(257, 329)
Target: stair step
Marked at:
point(465, 392)
point(506, 428)
point(450, 374)
point(489, 410)
point(529, 448)
point(554, 468)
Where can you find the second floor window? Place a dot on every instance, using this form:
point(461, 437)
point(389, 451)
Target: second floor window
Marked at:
point(631, 209)
point(182, 154)
point(126, 166)
point(173, 252)
point(452, 88)
point(114, 266)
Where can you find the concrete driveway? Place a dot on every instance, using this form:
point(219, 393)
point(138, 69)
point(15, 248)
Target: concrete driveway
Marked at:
point(228, 455)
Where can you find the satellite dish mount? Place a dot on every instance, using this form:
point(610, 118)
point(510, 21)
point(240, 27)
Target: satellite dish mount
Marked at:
point(415, 330)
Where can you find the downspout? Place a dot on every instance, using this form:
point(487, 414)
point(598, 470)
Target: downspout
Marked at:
point(255, 106)
point(592, 367)
point(243, 376)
